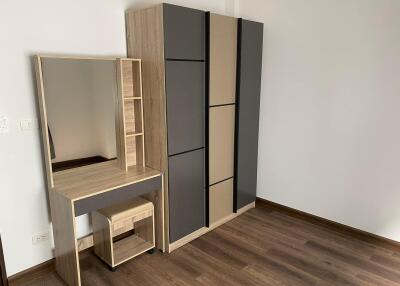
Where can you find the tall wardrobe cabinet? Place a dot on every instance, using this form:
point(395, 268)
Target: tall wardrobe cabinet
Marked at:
point(201, 91)
point(170, 40)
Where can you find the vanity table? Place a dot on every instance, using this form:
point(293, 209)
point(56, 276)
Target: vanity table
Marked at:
point(90, 188)
point(92, 127)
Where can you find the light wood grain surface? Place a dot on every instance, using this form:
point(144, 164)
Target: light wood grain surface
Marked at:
point(221, 143)
point(221, 200)
point(223, 53)
point(43, 122)
point(145, 40)
point(66, 250)
point(95, 179)
point(126, 209)
point(102, 237)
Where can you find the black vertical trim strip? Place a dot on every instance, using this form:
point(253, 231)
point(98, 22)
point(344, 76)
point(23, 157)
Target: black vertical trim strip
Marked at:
point(166, 114)
point(237, 113)
point(3, 274)
point(207, 121)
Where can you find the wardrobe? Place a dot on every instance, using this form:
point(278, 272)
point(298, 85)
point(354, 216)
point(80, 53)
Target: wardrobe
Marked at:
point(200, 93)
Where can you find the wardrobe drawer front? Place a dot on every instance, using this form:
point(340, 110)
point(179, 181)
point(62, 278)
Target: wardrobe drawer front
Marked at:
point(186, 194)
point(221, 201)
point(185, 105)
point(223, 54)
point(184, 33)
point(221, 143)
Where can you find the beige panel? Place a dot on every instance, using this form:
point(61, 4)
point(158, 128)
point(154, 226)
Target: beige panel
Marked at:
point(221, 143)
point(223, 53)
point(221, 201)
point(145, 40)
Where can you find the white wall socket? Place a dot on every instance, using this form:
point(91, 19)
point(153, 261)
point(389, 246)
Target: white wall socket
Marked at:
point(3, 124)
point(40, 237)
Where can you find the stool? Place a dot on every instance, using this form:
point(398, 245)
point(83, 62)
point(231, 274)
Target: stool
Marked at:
point(123, 231)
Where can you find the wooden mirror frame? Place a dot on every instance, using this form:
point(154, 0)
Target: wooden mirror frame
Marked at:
point(128, 116)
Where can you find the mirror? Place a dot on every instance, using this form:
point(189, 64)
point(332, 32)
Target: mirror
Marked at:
point(80, 100)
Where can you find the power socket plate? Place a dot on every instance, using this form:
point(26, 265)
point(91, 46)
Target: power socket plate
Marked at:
point(40, 238)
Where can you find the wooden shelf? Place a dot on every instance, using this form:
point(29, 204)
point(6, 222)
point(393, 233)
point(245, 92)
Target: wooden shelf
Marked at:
point(128, 135)
point(134, 150)
point(131, 79)
point(132, 139)
point(78, 183)
point(133, 117)
point(132, 98)
point(130, 247)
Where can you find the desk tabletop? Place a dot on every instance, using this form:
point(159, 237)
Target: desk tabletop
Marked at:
point(87, 181)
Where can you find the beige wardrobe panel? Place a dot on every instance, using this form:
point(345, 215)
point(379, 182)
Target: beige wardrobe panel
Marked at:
point(221, 200)
point(223, 53)
point(221, 143)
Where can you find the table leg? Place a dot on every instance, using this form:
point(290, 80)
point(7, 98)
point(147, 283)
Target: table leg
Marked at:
point(66, 249)
point(157, 197)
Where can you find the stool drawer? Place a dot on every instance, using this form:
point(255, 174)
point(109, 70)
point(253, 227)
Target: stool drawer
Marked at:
point(125, 225)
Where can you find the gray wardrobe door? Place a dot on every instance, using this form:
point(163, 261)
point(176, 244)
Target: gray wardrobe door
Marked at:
point(185, 105)
point(250, 44)
point(184, 33)
point(186, 194)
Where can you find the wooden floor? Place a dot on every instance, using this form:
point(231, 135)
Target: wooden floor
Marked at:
point(261, 247)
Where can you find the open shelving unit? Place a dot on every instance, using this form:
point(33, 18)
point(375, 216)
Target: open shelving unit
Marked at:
point(131, 104)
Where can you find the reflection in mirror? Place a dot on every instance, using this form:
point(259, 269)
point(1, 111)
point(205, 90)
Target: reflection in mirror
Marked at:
point(80, 97)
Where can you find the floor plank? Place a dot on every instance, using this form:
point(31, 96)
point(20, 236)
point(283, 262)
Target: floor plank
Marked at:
point(261, 247)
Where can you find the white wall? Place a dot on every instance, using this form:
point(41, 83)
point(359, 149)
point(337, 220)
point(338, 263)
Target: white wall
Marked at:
point(329, 127)
point(330, 97)
point(91, 27)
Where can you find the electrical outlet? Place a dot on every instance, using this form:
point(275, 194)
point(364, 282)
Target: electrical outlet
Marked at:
point(40, 238)
point(28, 124)
point(3, 124)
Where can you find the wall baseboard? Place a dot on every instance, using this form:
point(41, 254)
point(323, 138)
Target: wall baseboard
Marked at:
point(181, 242)
point(85, 245)
point(29, 274)
point(26, 276)
point(332, 225)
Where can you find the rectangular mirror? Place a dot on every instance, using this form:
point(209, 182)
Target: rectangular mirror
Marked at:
point(80, 98)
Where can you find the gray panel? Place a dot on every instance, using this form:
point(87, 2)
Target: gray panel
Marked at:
point(186, 194)
point(184, 33)
point(250, 64)
point(185, 105)
point(117, 196)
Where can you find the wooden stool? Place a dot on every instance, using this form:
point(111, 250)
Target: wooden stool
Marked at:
point(111, 223)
